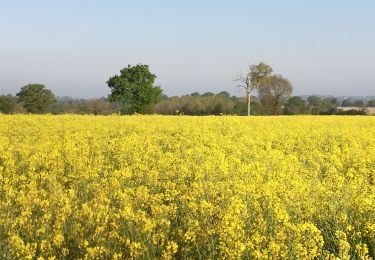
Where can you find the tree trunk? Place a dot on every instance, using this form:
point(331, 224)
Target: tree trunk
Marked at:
point(248, 103)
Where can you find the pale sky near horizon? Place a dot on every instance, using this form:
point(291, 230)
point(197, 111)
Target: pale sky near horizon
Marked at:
point(74, 46)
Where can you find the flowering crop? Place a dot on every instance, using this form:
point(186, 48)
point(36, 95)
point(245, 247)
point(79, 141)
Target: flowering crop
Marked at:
point(187, 187)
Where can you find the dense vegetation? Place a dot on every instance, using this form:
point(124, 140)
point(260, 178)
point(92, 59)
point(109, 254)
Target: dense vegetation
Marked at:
point(149, 187)
point(195, 104)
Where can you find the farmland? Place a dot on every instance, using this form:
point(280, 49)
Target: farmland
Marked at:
point(368, 110)
point(167, 187)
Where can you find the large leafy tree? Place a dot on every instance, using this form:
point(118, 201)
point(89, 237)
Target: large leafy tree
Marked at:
point(274, 93)
point(135, 88)
point(35, 98)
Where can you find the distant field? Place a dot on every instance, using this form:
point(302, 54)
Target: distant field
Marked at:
point(149, 187)
point(370, 110)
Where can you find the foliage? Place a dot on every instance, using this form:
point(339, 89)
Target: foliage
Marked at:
point(255, 77)
point(359, 103)
point(371, 103)
point(7, 103)
point(100, 106)
point(149, 187)
point(135, 88)
point(208, 94)
point(328, 106)
point(274, 93)
point(352, 103)
point(295, 106)
point(18, 109)
point(314, 101)
point(195, 104)
point(221, 103)
point(347, 103)
point(352, 112)
point(35, 98)
point(259, 73)
point(224, 94)
point(325, 106)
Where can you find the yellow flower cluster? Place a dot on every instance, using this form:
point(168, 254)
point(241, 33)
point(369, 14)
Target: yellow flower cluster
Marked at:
point(146, 187)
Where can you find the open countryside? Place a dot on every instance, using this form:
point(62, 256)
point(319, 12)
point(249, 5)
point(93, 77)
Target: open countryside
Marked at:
point(191, 129)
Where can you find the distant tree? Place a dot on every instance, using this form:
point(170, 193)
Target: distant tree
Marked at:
point(256, 106)
point(196, 105)
point(224, 94)
point(328, 106)
point(7, 103)
point(273, 93)
point(335, 102)
point(358, 103)
point(371, 103)
point(222, 105)
point(35, 98)
point(208, 94)
point(240, 106)
point(195, 94)
point(135, 88)
point(295, 106)
point(347, 103)
point(253, 79)
point(98, 107)
point(314, 101)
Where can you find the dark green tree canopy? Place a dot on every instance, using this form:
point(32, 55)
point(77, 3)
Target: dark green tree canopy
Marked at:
point(35, 98)
point(295, 106)
point(195, 94)
point(314, 101)
point(224, 94)
point(371, 103)
point(208, 94)
point(135, 88)
point(7, 103)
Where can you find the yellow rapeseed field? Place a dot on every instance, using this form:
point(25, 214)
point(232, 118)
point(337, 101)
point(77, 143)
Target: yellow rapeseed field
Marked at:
point(153, 187)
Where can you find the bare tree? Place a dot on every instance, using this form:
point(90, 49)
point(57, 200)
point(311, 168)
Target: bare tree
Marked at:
point(253, 79)
point(245, 82)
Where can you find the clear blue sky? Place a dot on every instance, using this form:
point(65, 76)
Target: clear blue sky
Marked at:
point(73, 47)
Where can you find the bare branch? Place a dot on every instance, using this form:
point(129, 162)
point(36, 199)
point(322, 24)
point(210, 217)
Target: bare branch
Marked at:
point(240, 78)
point(242, 86)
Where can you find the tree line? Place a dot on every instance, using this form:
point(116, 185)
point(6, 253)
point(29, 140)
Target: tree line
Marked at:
point(133, 91)
point(208, 103)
